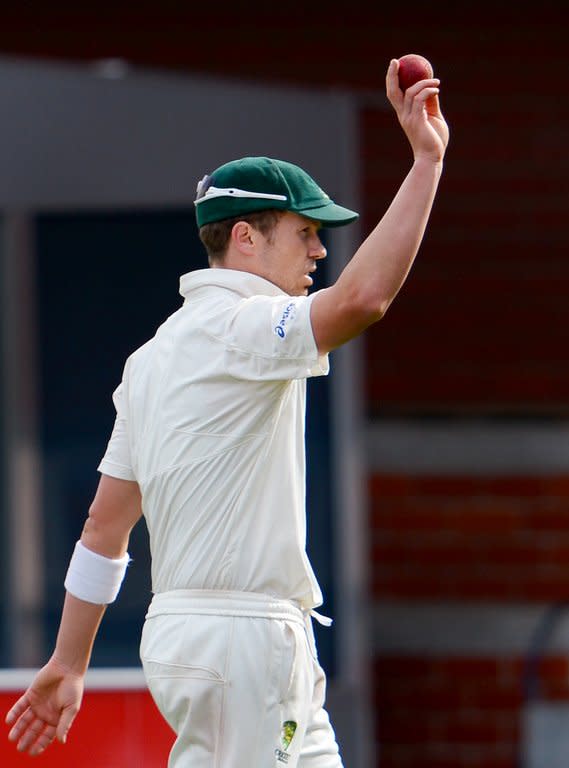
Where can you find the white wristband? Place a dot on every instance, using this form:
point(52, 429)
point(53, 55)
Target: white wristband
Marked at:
point(93, 577)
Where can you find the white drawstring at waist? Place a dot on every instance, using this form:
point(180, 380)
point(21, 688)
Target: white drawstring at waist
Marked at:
point(325, 621)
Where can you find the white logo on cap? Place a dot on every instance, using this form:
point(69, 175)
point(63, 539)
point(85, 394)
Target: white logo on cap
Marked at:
point(212, 192)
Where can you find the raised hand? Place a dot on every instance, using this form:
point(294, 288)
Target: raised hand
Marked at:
point(419, 113)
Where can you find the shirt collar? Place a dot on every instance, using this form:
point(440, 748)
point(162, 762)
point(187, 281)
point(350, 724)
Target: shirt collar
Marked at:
point(246, 284)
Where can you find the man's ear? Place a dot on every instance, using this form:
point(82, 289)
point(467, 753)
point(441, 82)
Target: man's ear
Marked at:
point(243, 238)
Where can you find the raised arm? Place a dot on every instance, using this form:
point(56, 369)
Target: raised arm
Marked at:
point(378, 269)
point(47, 709)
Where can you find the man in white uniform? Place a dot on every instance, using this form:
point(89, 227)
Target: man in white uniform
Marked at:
point(208, 444)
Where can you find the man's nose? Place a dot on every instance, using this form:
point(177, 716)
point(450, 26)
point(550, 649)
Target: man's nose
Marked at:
point(319, 252)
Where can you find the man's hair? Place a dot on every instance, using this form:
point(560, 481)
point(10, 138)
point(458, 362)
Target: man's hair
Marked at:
point(215, 236)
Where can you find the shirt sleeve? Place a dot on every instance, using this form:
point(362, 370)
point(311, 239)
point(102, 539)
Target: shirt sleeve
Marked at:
point(117, 461)
point(271, 337)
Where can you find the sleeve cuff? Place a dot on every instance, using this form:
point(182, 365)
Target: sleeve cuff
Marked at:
point(116, 470)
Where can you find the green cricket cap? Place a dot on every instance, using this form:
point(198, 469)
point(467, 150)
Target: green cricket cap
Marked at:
point(260, 183)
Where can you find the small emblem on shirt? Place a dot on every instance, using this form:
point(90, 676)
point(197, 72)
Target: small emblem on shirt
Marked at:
point(287, 315)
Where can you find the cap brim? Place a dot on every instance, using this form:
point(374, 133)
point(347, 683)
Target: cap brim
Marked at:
point(330, 215)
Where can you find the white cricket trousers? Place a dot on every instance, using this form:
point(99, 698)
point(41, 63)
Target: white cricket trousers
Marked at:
point(236, 676)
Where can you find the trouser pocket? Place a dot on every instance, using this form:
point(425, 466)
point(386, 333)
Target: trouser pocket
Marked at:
point(184, 660)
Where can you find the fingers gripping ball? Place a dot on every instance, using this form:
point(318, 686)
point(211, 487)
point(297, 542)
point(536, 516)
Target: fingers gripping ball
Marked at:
point(412, 68)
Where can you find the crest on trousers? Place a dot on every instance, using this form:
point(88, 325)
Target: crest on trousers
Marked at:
point(287, 734)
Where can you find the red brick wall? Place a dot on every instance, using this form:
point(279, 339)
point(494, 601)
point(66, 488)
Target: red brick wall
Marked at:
point(456, 712)
point(467, 539)
point(482, 322)
point(470, 538)
point(481, 327)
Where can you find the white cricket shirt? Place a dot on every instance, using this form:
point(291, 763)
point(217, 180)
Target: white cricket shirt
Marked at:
point(210, 423)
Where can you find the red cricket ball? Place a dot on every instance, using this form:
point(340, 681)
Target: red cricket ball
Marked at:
point(413, 67)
